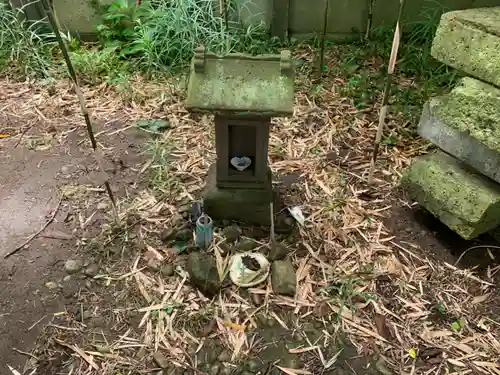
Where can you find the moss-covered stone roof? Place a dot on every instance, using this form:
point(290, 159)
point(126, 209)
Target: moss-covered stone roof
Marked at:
point(472, 107)
point(241, 84)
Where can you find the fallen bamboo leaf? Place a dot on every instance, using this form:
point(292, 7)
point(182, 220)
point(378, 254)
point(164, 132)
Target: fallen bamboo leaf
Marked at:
point(292, 371)
point(80, 352)
point(239, 327)
point(332, 361)
point(412, 353)
point(13, 370)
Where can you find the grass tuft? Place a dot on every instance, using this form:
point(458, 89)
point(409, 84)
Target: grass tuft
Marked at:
point(365, 63)
point(24, 46)
point(162, 35)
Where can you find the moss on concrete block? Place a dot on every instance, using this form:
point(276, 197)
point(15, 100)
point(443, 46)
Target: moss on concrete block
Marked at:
point(466, 202)
point(473, 107)
point(469, 40)
point(466, 133)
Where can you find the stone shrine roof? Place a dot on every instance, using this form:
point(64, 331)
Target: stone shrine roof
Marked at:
point(241, 84)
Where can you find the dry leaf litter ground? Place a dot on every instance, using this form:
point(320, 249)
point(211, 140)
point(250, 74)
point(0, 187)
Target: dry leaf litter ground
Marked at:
point(368, 300)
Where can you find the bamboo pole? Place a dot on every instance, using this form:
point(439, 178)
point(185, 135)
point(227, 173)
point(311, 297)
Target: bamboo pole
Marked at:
point(85, 112)
point(387, 91)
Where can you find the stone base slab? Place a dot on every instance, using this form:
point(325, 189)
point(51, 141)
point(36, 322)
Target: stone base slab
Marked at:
point(245, 205)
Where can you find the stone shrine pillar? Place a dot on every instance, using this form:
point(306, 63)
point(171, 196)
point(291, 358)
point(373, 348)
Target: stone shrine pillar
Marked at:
point(243, 92)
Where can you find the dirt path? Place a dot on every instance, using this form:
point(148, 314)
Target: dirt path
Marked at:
point(34, 176)
point(28, 197)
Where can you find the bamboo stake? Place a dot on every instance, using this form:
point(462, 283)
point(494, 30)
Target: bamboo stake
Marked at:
point(369, 22)
point(387, 90)
point(271, 212)
point(71, 70)
point(322, 41)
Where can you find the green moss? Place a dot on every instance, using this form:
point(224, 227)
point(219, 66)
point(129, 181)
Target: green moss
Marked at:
point(465, 201)
point(241, 85)
point(470, 40)
point(472, 107)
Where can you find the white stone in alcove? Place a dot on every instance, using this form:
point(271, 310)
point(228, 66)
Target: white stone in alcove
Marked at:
point(241, 163)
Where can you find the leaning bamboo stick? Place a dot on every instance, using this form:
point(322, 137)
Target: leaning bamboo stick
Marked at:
point(387, 91)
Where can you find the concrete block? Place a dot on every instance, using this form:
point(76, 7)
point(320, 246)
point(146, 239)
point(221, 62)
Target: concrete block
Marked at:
point(468, 203)
point(466, 124)
point(469, 40)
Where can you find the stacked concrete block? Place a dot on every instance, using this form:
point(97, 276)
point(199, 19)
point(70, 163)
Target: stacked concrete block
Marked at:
point(460, 183)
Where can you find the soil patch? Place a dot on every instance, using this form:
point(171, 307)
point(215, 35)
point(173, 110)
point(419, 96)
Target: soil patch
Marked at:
point(37, 173)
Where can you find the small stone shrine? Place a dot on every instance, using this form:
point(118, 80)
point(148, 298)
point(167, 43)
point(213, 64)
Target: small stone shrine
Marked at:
point(243, 92)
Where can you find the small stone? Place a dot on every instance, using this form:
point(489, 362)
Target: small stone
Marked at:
point(214, 370)
point(66, 278)
point(161, 360)
point(91, 270)
point(168, 270)
point(278, 251)
point(224, 357)
point(231, 233)
point(185, 234)
point(103, 206)
point(65, 169)
point(203, 273)
point(246, 244)
point(88, 284)
point(283, 278)
point(72, 266)
point(69, 288)
point(168, 234)
point(51, 285)
point(253, 365)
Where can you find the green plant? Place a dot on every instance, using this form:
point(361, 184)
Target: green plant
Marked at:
point(119, 22)
point(24, 45)
point(365, 64)
point(92, 65)
point(345, 292)
point(162, 35)
point(162, 180)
